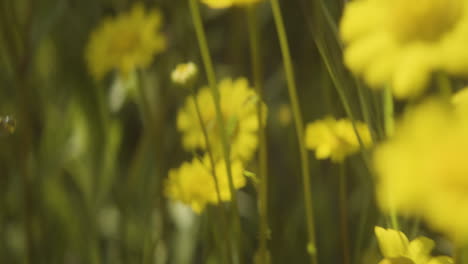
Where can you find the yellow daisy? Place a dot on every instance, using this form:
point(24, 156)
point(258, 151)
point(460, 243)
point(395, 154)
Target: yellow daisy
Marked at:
point(401, 43)
point(126, 42)
point(193, 183)
point(228, 3)
point(335, 139)
point(397, 249)
point(422, 170)
point(238, 106)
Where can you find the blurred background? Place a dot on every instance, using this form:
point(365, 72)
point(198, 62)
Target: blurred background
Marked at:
point(81, 178)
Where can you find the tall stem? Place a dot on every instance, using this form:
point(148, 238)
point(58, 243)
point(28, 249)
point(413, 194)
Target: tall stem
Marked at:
point(205, 53)
point(389, 121)
point(389, 127)
point(311, 247)
point(262, 153)
point(344, 214)
point(213, 172)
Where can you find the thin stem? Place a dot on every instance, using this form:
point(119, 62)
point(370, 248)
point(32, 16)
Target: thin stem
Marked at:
point(213, 170)
point(344, 214)
point(288, 67)
point(389, 122)
point(444, 85)
point(389, 127)
point(262, 153)
point(203, 45)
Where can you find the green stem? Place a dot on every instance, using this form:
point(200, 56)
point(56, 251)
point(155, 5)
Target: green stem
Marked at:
point(389, 122)
point(344, 214)
point(444, 85)
point(342, 95)
point(213, 171)
point(288, 67)
point(203, 45)
point(389, 128)
point(262, 153)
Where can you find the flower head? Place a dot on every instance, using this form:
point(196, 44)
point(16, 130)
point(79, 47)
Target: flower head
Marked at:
point(422, 169)
point(238, 107)
point(228, 3)
point(193, 183)
point(126, 42)
point(397, 249)
point(401, 43)
point(184, 73)
point(335, 139)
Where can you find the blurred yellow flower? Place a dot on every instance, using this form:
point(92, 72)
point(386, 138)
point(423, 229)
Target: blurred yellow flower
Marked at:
point(238, 106)
point(126, 42)
point(397, 249)
point(228, 3)
point(184, 73)
point(193, 183)
point(423, 169)
point(335, 139)
point(401, 43)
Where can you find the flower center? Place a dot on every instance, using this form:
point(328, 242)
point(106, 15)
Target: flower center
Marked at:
point(425, 20)
point(231, 125)
point(127, 41)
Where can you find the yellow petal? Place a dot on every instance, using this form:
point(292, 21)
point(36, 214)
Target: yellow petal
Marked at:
point(392, 243)
point(420, 248)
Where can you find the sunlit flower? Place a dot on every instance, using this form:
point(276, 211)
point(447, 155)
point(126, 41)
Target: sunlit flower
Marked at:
point(228, 3)
point(401, 43)
point(239, 110)
point(126, 42)
point(422, 170)
point(397, 249)
point(184, 73)
point(336, 139)
point(193, 183)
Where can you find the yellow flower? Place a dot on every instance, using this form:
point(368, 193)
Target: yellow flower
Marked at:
point(423, 169)
point(335, 139)
point(125, 43)
point(193, 183)
point(397, 249)
point(239, 109)
point(401, 43)
point(184, 73)
point(228, 3)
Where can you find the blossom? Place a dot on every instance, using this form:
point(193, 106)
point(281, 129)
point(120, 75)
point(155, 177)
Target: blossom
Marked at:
point(184, 73)
point(193, 183)
point(422, 170)
point(401, 43)
point(396, 248)
point(126, 42)
point(239, 110)
point(228, 3)
point(335, 139)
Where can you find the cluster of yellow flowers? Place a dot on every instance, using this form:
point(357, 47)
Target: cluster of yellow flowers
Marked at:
point(396, 248)
point(125, 43)
point(401, 43)
point(423, 171)
point(336, 139)
point(194, 183)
